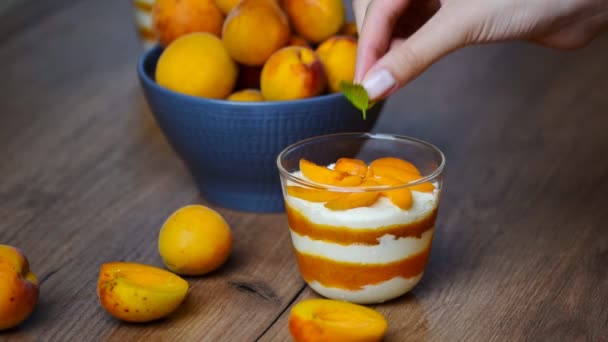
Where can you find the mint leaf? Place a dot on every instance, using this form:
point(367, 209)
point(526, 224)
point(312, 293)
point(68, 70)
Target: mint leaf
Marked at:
point(357, 95)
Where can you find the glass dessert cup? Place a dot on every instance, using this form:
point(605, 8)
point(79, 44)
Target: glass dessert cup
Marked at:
point(361, 209)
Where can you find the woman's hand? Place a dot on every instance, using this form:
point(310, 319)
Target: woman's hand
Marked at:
point(399, 39)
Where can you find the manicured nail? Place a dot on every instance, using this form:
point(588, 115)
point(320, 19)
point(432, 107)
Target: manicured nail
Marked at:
point(378, 82)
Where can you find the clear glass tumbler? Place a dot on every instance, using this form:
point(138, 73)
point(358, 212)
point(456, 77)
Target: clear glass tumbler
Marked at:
point(361, 209)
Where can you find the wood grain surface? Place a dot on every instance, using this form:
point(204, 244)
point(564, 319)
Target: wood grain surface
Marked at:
point(521, 248)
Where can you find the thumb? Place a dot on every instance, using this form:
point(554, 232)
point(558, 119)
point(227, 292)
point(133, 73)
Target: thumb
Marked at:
point(442, 34)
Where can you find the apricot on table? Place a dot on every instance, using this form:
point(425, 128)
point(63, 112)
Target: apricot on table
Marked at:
point(18, 287)
point(175, 18)
point(315, 20)
point(292, 73)
point(197, 64)
point(136, 292)
point(246, 95)
point(324, 320)
point(338, 55)
point(254, 30)
point(195, 240)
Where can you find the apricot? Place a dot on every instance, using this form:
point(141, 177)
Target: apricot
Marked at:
point(338, 55)
point(197, 64)
point(315, 20)
point(18, 287)
point(399, 197)
point(351, 166)
point(349, 29)
point(226, 5)
point(175, 18)
point(246, 95)
point(194, 240)
point(297, 41)
point(311, 195)
point(353, 200)
point(320, 174)
point(292, 73)
point(404, 178)
point(254, 30)
point(379, 165)
point(325, 320)
point(135, 292)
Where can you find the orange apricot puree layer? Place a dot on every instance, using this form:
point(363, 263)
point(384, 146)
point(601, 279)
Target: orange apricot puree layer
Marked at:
point(348, 236)
point(353, 276)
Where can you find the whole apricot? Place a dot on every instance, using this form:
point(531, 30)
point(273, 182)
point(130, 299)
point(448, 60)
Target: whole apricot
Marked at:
point(325, 320)
point(197, 64)
point(175, 18)
point(246, 95)
point(338, 55)
point(18, 287)
point(294, 72)
point(195, 240)
point(254, 30)
point(136, 292)
point(315, 20)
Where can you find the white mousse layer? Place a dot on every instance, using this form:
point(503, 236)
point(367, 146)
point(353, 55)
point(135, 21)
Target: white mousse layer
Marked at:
point(370, 293)
point(389, 250)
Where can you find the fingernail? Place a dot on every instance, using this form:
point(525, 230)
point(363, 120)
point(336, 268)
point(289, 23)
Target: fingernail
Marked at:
point(378, 82)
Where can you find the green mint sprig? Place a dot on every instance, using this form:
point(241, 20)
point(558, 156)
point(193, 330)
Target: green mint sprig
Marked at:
point(357, 95)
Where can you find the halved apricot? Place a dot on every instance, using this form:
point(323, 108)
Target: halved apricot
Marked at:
point(320, 174)
point(139, 293)
point(311, 195)
point(323, 320)
point(351, 166)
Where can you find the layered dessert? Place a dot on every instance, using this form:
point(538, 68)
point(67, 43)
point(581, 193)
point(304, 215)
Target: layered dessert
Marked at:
point(364, 246)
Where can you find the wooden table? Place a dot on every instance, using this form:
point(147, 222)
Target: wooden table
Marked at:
point(521, 249)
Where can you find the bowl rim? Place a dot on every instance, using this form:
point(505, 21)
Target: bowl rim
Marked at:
point(148, 79)
point(364, 135)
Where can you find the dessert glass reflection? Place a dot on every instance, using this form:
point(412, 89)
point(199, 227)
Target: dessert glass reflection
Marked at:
point(361, 209)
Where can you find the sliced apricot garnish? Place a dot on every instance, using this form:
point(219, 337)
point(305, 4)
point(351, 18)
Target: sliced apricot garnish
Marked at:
point(353, 200)
point(320, 174)
point(351, 166)
point(400, 197)
point(350, 180)
point(404, 179)
point(331, 320)
point(311, 195)
point(393, 162)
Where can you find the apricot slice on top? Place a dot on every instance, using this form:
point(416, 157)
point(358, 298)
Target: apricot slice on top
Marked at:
point(139, 293)
point(320, 174)
point(323, 320)
point(404, 179)
point(311, 195)
point(392, 162)
point(355, 167)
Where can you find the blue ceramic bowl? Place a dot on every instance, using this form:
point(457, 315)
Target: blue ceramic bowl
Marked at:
point(230, 147)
